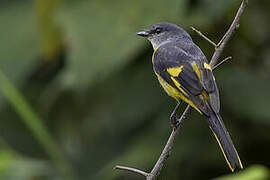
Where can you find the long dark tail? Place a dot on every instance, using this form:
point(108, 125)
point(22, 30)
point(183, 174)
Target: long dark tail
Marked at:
point(224, 140)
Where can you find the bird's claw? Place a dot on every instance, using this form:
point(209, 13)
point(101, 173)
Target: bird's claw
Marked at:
point(174, 121)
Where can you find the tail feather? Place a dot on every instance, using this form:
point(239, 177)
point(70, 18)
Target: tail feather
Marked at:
point(224, 140)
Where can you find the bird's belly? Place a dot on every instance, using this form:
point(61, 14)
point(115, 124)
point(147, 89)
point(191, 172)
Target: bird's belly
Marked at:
point(174, 93)
point(171, 91)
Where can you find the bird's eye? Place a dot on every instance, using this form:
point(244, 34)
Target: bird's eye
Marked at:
point(158, 30)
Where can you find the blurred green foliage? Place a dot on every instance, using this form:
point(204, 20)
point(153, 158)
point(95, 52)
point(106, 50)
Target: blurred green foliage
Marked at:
point(254, 172)
point(77, 87)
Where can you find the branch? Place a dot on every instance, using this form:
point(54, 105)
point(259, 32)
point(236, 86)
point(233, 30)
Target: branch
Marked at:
point(222, 43)
point(166, 150)
point(203, 36)
point(223, 61)
point(218, 50)
point(132, 170)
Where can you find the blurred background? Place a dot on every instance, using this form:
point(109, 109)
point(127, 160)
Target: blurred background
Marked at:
point(78, 94)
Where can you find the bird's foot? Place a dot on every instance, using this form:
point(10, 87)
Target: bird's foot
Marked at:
point(174, 121)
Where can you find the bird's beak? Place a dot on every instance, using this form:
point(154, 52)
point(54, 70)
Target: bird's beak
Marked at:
point(143, 33)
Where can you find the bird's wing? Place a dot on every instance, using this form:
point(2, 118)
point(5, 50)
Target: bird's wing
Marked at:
point(188, 74)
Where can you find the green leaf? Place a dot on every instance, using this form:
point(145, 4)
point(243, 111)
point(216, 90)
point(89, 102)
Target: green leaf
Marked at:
point(255, 172)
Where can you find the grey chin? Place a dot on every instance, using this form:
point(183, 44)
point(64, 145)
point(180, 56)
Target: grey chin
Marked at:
point(154, 45)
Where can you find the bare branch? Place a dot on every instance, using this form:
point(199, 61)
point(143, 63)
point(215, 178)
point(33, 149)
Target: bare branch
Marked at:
point(228, 34)
point(203, 36)
point(223, 61)
point(218, 50)
point(166, 151)
point(134, 170)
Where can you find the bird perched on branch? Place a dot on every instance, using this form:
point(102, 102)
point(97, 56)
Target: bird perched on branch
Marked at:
point(184, 73)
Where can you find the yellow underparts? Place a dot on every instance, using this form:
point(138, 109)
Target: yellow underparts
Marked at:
point(175, 93)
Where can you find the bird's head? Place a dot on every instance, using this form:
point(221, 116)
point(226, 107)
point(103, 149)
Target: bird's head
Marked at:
point(163, 32)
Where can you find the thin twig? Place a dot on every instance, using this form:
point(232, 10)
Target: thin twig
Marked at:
point(228, 34)
point(223, 61)
point(134, 170)
point(218, 50)
point(205, 37)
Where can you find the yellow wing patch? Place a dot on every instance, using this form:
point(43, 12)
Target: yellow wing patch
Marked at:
point(207, 66)
point(196, 69)
point(205, 95)
point(175, 71)
point(177, 84)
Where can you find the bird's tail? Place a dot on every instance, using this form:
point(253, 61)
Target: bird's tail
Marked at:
point(224, 141)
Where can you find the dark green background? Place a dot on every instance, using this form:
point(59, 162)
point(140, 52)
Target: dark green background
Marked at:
point(78, 94)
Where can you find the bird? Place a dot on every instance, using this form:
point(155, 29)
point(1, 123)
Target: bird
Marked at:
point(185, 74)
